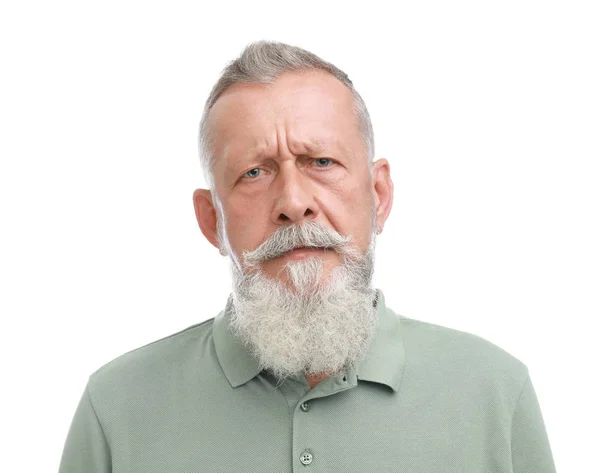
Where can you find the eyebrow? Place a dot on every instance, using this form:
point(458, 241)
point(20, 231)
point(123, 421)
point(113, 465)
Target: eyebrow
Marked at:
point(253, 153)
point(316, 146)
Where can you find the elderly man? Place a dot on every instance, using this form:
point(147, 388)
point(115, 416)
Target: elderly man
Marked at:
point(306, 368)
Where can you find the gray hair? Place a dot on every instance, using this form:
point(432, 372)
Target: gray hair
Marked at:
point(263, 62)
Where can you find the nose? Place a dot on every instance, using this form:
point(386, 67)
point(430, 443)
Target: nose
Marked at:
point(295, 201)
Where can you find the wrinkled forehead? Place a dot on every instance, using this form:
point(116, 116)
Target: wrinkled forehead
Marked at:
point(307, 112)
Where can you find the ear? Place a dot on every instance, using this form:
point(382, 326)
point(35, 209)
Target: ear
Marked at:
point(383, 188)
point(206, 215)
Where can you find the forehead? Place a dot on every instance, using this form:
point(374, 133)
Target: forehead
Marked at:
point(311, 109)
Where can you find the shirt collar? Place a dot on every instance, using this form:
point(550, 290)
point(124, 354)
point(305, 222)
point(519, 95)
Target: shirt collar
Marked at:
point(237, 363)
point(383, 363)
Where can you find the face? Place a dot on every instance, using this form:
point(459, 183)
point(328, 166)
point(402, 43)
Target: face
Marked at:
point(287, 153)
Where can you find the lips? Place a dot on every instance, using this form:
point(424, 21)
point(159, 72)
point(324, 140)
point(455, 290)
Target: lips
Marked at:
point(302, 251)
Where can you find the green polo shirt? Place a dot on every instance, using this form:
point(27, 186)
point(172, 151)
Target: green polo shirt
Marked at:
point(426, 399)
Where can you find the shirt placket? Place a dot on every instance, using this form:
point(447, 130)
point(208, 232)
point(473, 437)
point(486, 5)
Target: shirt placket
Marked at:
point(307, 456)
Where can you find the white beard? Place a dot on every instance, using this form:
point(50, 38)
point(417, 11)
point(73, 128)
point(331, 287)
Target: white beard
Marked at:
point(310, 326)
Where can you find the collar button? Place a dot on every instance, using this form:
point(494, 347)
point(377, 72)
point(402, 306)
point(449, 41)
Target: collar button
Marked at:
point(305, 406)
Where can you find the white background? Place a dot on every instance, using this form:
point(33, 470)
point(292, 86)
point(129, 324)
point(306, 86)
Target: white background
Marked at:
point(489, 113)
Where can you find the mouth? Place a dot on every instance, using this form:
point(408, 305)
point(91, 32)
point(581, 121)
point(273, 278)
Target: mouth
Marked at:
point(301, 252)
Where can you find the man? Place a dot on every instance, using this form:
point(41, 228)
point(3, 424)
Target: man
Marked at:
point(306, 368)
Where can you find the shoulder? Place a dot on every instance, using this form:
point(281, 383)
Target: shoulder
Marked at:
point(155, 364)
point(460, 356)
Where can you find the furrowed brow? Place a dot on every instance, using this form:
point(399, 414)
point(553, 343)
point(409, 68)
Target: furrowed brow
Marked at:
point(316, 146)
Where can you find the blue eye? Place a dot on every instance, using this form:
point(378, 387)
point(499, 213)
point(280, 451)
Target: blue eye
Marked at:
point(323, 162)
point(253, 173)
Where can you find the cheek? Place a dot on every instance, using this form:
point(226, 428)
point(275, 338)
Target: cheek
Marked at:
point(355, 200)
point(358, 214)
point(245, 224)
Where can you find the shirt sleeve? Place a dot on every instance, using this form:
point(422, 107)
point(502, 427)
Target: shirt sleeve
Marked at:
point(531, 451)
point(86, 449)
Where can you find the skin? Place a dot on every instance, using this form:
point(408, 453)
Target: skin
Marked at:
point(288, 152)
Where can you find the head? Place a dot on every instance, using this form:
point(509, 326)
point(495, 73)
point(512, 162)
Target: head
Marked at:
point(295, 199)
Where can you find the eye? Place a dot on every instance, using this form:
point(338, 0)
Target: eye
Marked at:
point(323, 162)
point(255, 172)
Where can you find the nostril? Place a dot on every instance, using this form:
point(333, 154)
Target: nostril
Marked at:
point(307, 212)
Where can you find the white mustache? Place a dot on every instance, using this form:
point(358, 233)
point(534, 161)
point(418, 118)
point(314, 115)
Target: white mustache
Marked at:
point(309, 234)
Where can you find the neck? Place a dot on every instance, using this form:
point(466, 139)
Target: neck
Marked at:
point(314, 379)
